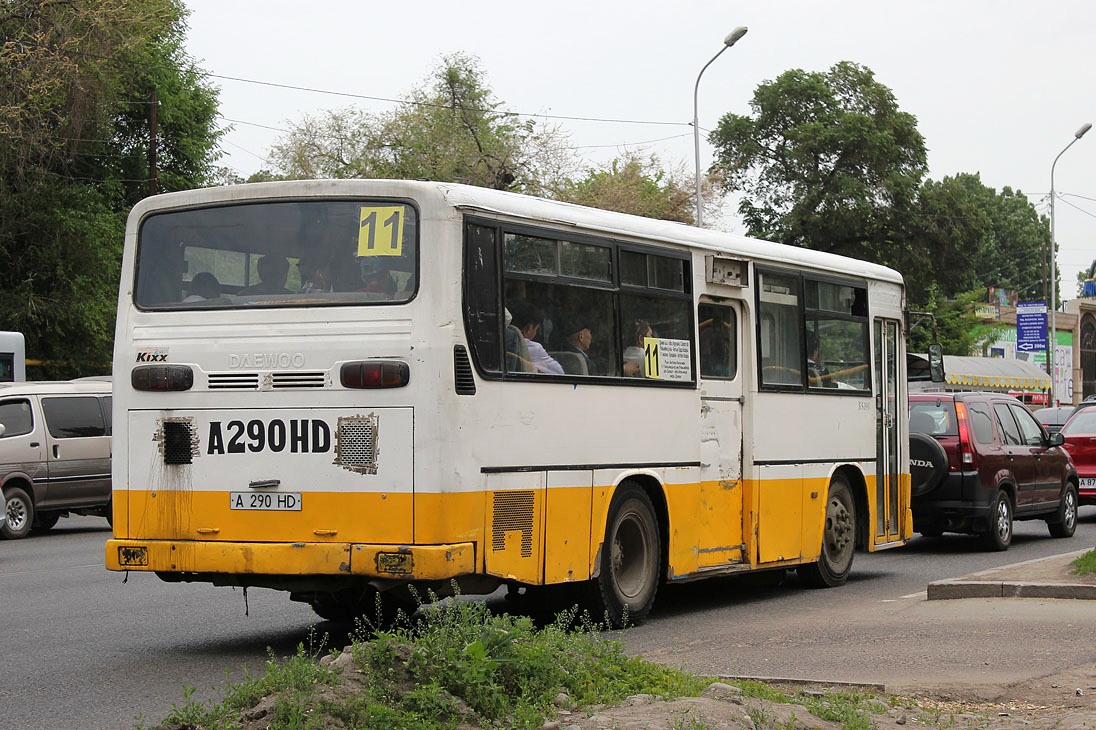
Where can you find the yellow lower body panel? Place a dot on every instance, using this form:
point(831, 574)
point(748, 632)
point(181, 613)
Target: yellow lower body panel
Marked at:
point(419, 562)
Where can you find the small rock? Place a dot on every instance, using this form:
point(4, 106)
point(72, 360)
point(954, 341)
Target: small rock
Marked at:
point(721, 690)
point(901, 720)
point(344, 661)
point(564, 700)
point(1079, 692)
point(550, 725)
point(1055, 686)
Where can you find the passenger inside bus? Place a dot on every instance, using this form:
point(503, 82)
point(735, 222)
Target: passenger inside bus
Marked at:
point(315, 272)
point(579, 338)
point(203, 286)
point(633, 353)
point(273, 271)
point(527, 318)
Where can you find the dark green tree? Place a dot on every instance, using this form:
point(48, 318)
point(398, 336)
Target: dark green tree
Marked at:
point(77, 81)
point(825, 161)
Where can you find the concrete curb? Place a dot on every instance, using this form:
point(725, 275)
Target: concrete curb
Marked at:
point(1008, 582)
point(959, 588)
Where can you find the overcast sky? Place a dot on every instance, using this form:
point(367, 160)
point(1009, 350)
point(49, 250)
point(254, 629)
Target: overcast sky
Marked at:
point(998, 87)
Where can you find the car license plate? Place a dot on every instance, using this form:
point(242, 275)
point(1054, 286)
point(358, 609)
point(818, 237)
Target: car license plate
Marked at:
point(1088, 482)
point(269, 501)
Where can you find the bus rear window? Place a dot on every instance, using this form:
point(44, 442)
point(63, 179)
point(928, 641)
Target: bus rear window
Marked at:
point(281, 254)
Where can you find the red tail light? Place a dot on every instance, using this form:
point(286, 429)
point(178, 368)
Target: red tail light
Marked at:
point(966, 453)
point(375, 374)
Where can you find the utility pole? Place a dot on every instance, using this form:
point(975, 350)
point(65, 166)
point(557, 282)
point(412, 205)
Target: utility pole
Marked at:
point(152, 174)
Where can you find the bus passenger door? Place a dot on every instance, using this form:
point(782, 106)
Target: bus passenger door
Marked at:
point(719, 516)
point(890, 506)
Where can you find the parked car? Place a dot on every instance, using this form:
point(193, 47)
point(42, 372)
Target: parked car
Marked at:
point(1053, 418)
point(979, 461)
point(54, 452)
point(1080, 435)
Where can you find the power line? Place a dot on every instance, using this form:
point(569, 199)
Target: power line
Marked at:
point(388, 100)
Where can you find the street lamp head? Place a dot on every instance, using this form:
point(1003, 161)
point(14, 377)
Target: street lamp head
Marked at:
point(1080, 132)
point(736, 35)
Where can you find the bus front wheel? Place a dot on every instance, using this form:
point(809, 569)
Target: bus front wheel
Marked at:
point(838, 539)
point(631, 558)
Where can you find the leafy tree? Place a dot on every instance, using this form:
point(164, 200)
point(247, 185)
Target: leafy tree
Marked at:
point(634, 184)
point(958, 330)
point(76, 82)
point(826, 161)
point(450, 129)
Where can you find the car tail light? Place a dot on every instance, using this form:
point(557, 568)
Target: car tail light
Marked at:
point(162, 377)
point(966, 453)
point(375, 374)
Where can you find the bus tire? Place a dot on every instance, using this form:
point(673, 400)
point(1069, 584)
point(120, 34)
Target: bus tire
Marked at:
point(838, 539)
point(20, 514)
point(631, 558)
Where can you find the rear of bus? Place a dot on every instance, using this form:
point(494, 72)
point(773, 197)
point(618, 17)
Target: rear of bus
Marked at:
point(264, 427)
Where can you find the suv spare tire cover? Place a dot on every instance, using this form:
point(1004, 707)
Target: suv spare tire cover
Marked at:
point(928, 464)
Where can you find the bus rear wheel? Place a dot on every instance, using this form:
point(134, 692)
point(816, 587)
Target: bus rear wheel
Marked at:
point(631, 558)
point(838, 539)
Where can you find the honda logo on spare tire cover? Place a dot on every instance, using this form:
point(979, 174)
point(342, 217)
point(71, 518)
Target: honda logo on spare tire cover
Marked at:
point(928, 464)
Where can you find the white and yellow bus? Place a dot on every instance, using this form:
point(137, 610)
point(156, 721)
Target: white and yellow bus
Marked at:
point(341, 388)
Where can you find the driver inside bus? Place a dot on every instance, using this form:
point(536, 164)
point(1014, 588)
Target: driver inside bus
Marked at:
point(817, 373)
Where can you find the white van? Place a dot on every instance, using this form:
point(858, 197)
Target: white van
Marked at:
point(54, 452)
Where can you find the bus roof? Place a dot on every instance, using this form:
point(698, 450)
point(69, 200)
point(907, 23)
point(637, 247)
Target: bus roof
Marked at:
point(527, 207)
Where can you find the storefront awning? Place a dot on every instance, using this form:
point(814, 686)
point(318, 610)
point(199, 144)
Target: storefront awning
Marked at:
point(994, 373)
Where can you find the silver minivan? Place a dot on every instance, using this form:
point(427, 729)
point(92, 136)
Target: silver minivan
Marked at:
point(54, 452)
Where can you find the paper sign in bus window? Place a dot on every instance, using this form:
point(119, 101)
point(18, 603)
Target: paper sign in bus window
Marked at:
point(666, 359)
point(380, 230)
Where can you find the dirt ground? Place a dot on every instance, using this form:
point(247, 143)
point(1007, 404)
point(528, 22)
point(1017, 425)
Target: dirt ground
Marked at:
point(1063, 702)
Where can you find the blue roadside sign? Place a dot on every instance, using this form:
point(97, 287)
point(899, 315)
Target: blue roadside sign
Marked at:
point(1031, 326)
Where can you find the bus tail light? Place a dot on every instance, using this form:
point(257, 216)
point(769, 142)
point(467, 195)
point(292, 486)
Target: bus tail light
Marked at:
point(375, 374)
point(162, 377)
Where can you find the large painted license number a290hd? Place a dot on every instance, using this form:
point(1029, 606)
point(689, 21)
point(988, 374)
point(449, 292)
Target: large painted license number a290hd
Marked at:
point(271, 501)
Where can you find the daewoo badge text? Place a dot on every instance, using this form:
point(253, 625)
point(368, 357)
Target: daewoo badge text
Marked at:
point(267, 360)
point(297, 436)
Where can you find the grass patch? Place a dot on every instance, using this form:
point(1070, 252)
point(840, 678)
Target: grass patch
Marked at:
point(1085, 564)
point(461, 666)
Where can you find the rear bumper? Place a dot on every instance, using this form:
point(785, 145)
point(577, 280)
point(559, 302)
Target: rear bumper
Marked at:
point(959, 501)
point(393, 562)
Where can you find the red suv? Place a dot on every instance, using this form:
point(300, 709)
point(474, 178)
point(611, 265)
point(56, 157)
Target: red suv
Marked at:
point(978, 461)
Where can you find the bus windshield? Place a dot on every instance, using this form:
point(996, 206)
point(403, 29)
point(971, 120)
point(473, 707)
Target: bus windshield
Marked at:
point(279, 254)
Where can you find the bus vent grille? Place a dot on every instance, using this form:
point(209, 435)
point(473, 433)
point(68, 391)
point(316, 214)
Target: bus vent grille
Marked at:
point(233, 381)
point(512, 511)
point(178, 441)
point(462, 368)
point(356, 443)
point(316, 379)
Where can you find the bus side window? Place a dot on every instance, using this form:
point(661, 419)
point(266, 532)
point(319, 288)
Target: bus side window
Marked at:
point(718, 341)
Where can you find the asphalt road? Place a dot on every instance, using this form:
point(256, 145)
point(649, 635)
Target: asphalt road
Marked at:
point(85, 648)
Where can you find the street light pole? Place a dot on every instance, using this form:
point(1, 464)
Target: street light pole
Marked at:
point(1052, 332)
point(733, 37)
